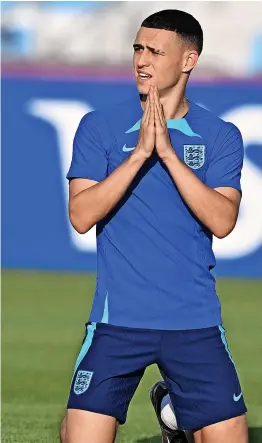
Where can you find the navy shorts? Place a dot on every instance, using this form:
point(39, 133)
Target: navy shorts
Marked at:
point(195, 364)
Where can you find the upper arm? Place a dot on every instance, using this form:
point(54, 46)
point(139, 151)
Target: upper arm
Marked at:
point(78, 185)
point(232, 194)
point(89, 160)
point(225, 164)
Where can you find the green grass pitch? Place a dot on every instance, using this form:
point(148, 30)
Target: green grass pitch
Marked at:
point(42, 328)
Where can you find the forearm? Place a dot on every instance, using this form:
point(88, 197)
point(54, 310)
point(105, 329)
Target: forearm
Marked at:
point(213, 209)
point(93, 204)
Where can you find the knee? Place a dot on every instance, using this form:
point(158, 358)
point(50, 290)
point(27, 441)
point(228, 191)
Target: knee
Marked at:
point(63, 431)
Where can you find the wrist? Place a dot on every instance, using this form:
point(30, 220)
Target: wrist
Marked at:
point(168, 155)
point(138, 156)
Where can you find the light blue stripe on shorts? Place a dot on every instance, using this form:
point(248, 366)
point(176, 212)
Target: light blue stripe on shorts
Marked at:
point(86, 345)
point(224, 340)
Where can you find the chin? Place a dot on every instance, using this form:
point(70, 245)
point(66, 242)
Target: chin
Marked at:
point(142, 89)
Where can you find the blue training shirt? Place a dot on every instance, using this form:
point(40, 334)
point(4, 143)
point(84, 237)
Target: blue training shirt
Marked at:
point(154, 257)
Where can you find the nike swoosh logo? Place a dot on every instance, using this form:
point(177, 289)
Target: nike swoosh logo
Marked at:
point(237, 397)
point(125, 149)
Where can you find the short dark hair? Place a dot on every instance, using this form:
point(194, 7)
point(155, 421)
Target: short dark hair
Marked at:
point(180, 22)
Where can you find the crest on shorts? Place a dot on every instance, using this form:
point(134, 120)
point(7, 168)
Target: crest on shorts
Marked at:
point(82, 381)
point(194, 155)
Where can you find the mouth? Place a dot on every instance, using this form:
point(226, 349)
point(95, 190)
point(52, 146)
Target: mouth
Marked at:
point(143, 76)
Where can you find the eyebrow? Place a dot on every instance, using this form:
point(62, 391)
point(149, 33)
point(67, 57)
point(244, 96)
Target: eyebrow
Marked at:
point(139, 46)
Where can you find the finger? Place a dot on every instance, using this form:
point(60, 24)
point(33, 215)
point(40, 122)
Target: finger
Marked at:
point(159, 108)
point(162, 115)
point(151, 120)
point(146, 110)
point(150, 114)
point(158, 122)
point(157, 103)
point(158, 119)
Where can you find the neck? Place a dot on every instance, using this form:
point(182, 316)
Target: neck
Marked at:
point(174, 102)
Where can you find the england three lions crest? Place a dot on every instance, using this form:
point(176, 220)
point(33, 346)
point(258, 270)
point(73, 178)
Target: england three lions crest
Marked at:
point(194, 155)
point(82, 381)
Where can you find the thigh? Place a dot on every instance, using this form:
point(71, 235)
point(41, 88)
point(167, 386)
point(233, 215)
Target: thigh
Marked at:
point(201, 377)
point(89, 427)
point(234, 430)
point(108, 370)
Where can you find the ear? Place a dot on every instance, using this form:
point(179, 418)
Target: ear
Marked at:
point(190, 61)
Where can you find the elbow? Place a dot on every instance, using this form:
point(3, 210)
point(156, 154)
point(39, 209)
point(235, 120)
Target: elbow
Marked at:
point(79, 224)
point(81, 229)
point(221, 234)
point(223, 230)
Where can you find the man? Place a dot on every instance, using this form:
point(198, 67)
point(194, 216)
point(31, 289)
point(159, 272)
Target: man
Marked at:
point(158, 175)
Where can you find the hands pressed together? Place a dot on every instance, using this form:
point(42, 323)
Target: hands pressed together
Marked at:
point(153, 130)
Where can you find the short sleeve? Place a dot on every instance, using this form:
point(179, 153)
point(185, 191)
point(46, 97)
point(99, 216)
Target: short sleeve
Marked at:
point(226, 162)
point(89, 158)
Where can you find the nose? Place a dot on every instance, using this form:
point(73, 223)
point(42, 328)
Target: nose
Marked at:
point(144, 60)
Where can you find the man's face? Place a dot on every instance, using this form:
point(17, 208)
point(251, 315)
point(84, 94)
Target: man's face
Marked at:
point(158, 59)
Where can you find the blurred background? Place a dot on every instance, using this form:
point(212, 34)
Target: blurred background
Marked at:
point(61, 60)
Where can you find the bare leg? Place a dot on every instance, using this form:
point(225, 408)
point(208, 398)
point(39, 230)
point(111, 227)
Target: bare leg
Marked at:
point(89, 427)
point(231, 431)
point(63, 431)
